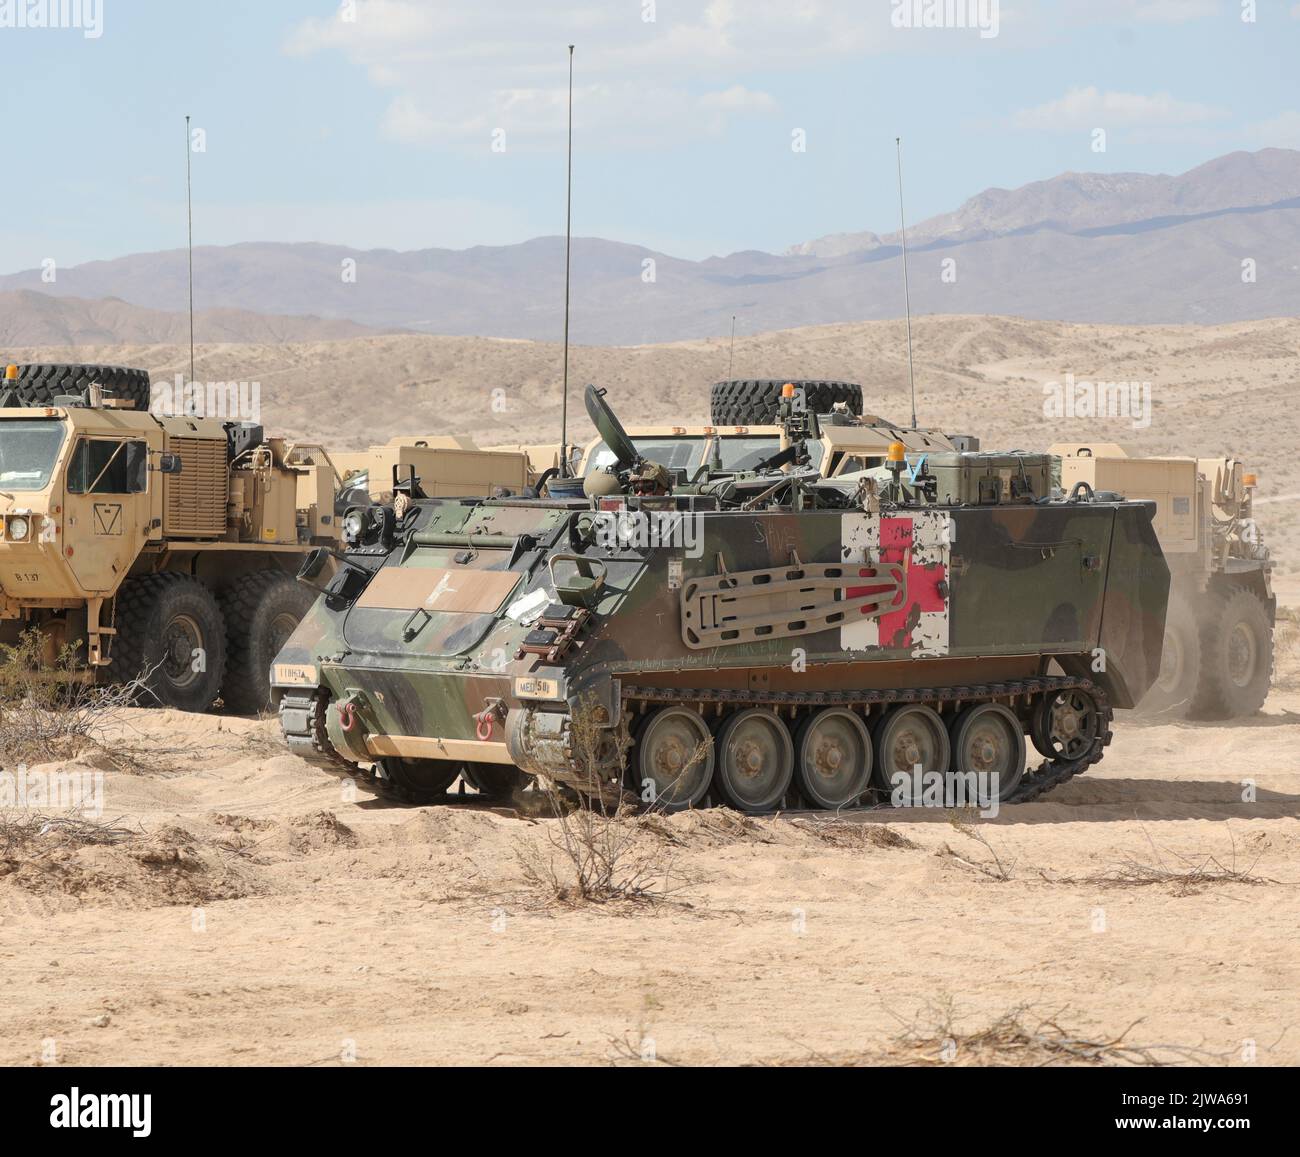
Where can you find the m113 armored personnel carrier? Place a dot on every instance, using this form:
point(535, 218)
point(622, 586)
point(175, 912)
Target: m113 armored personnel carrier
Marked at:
point(762, 638)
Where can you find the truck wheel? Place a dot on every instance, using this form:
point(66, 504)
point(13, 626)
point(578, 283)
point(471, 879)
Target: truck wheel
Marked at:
point(39, 385)
point(170, 636)
point(261, 610)
point(1236, 656)
point(1180, 662)
point(757, 403)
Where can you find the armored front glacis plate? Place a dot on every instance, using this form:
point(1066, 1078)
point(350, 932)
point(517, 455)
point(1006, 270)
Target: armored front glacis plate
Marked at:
point(761, 638)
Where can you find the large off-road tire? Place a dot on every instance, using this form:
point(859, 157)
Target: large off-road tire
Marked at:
point(1180, 664)
point(1236, 655)
point(261, 610)
point(757, 403)
point(39, 385)
point(170, 636)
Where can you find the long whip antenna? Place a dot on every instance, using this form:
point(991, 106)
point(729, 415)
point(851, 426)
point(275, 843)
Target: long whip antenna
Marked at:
point(189, 210)
point(907, 291)
point(731, 361)
point(568, 259)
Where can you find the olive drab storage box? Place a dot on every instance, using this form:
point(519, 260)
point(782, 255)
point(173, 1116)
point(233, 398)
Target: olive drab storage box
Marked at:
point(989, 479)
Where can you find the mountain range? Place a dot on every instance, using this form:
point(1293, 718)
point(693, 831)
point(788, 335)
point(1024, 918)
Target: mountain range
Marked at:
point(1218, 244)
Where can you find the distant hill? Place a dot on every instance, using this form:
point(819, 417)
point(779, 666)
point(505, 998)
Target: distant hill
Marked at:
point(1082, 202)
point(1107, 248)
point(33, 319)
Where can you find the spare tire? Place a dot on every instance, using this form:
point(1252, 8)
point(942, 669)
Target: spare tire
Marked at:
point(757, 403)
point(40, 385)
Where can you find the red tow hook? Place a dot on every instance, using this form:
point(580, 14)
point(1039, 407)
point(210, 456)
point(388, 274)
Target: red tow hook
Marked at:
point(487, 718)
point(348, 717)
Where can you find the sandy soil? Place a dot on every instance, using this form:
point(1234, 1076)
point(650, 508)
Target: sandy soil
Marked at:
point(258, 912)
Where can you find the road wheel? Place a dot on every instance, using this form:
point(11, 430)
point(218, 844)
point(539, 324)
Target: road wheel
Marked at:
point(171, 636)
point(834, 760)
point(988, 739)
point(672, 765)
point(1180, 662)
point(421, 780)
point(755, 761)
point(1065, 726)
point(1236, 656)
point(758, 403)
point(39, 385)
point(496, 780)
point(261, 610)
point(910, 737)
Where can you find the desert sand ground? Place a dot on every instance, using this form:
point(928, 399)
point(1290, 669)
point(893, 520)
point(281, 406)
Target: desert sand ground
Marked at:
point(257, 912)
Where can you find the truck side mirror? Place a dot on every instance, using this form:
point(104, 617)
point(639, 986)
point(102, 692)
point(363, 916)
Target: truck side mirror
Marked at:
point(169, 464)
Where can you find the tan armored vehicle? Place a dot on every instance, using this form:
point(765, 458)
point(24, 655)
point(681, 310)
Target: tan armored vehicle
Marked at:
point(1218, 649)
point(745, 432)
point(157, 546)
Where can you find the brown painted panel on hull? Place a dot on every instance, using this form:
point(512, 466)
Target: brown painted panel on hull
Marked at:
point(437, 590)
point(849, 676)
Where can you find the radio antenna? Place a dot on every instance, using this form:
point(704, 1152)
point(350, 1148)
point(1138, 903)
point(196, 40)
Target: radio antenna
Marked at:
point(731, 360)
point(907, 291)
point(189, 210)
point(568, 258)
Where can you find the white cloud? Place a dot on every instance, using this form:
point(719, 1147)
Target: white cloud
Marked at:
point(1279, 132)
point(1091, 107)
point(458, 72)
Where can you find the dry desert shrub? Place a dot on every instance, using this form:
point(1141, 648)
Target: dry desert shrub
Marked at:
point(597, 849)
point(1023, 1037)
point(595, 853)
point(50, 713)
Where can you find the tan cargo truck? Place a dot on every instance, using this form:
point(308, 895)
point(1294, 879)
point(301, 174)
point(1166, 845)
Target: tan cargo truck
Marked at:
point(448, 467)
point(1218, 652)
point(161, 548)
point(168, 547)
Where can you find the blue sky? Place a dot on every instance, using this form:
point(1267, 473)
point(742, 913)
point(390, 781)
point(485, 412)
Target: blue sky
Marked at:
point(372, 124)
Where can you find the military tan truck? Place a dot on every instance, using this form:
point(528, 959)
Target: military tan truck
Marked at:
point(1218, 649)
point(447, 467)
point(167, 547)
point(160, 548)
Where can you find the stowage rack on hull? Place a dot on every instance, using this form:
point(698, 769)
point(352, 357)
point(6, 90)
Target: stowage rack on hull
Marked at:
point(760, 639)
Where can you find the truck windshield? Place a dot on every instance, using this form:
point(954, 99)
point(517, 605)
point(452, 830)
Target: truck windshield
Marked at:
point(27, 453)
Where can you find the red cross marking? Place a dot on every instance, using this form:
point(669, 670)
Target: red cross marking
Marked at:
point(897, 537)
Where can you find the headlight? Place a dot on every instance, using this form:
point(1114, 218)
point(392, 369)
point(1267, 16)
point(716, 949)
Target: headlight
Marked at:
point(354, 525)
point(17, 529)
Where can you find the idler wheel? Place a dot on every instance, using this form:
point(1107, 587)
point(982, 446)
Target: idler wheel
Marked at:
point(834, 758)
point(910, 737)
point(1066, 725)
point(988, 739)
point(755, 761)
point(672, 766)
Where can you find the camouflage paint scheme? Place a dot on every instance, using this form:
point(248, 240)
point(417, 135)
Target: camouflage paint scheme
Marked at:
point(993, 593)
